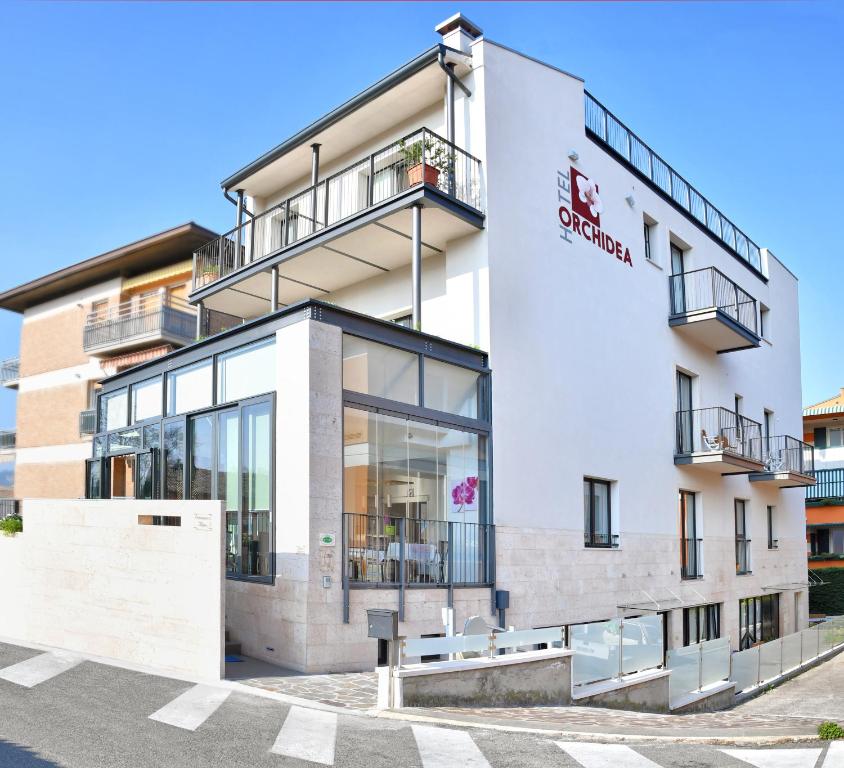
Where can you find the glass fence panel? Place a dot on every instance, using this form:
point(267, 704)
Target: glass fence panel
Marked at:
point(827, 638)
point(790, 651)
point(715, 661)
point(595, 649)
point(642, 644)
point(809, 644)
point(523, 637)
point(435, 646)
point(745, 665)
point(684, 664)
point(770, 659)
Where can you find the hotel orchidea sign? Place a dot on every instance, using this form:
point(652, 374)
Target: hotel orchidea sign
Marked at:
point(579, 213)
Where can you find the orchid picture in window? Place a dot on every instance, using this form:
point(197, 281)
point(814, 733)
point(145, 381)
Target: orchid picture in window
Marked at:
point(464, 495)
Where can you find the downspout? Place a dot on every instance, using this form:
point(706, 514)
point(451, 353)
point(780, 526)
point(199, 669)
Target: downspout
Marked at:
point(450, 73)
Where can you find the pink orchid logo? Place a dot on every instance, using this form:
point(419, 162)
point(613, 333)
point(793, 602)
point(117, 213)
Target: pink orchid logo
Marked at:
point(464, 492)
point(587, 191)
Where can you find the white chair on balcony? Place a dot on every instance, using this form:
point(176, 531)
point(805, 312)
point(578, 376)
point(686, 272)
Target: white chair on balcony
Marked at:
point(774, 462)
point(716, 443)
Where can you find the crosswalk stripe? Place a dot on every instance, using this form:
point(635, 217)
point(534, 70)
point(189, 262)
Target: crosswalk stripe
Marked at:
point(776, 758)
point(39, 668)
point(604, 755)
point(446, 748)
point(192, 708)
point(834, 755)
point(307, 734)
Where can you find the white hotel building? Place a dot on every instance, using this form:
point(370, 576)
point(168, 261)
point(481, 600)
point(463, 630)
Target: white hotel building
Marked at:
point(492, 342)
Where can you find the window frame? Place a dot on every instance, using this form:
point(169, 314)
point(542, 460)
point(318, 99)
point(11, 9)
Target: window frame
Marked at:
point(710, 613)
point(741, 538)
point(770, 511)
point(590, 535)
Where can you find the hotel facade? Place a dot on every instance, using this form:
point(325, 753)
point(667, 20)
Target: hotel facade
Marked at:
point(498, 356)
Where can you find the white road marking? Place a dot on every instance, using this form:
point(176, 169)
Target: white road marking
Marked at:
point(776, 758)
point(192, 708)
point(834, 755)
point(447, 748)
point(604, 755)
point(307, 734)
point(40, 668)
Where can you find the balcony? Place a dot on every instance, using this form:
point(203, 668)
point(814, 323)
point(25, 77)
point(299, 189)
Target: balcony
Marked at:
point(10, 372)
point(7, 439)
point(399, 552)
point(691, 561)
point(88, 422)
point(600, 540)
point(828, 488)
point(710, 309)
point(161, 319)
point(788, 462)
point(352, 225)
point(718, 440)
point(742, 557)
point(10, 508)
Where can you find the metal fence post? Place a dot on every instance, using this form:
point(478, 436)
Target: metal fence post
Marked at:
point(621, 648)
point(401, 568)
point(450, 563)
point(700, 666)
point(491, 644)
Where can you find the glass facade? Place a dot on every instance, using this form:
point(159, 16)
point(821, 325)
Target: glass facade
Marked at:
point(246, 372)
point(146, 399)
point(114, 410)
point(451, 389)
point(759, 620)
point(190, 388)
point(380, 370)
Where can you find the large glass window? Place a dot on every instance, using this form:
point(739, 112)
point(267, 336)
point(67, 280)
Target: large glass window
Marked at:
point(201, 457)
point(94, 479)
point(128, 440)
point(174, 460)
point(380, 370)
point(256, 451)
point(759, 620)
point(114, 411)
point(146, 399)
point(145, 486)
point(742, 539)
point(597, 514)
point(246, 372)
point(451, 389)
point(228, 436)
point(190, 388)
point(703, 622)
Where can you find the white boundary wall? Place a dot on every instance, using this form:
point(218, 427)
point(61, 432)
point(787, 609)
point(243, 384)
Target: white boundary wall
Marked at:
point(87, 577)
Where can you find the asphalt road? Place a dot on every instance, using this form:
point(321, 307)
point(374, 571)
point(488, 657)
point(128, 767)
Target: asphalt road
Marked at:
point(89, 715)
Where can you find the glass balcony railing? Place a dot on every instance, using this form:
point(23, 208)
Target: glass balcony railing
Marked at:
point(421, 158)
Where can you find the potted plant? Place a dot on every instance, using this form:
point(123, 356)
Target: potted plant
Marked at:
point(11, 525)
point(210, 272)
point(424, 160)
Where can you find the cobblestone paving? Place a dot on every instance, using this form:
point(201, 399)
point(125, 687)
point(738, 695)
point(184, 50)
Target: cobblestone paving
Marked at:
point(355, 690)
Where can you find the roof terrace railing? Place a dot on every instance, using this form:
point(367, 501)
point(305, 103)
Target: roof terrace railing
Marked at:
point(422, 157)
point(601, 123)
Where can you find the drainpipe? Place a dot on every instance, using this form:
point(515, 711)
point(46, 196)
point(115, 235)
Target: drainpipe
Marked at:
point(449, 103)
point(238, 242)
point(274, 289)
point(314, 180)
point(416, 267)
point(200, 311)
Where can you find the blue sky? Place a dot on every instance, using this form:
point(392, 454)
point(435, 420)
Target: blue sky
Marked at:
point(121, 119)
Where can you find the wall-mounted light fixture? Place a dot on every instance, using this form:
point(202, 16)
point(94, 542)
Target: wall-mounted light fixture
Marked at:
point(573, 156)
point(631, 201)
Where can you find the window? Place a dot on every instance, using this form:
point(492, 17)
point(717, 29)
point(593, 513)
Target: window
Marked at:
point(99, 310)
point(404, 320)
point(647, 238)
point(597, 514)
point(228, 436)
point(146, 399)
point(759, 620)
point(94, 486)
point(764, 322)
point(152, 436)
point(246, 371)
point(834, 437)
point(678, 281)
point(145, 483)
point(701, 623)
point(690, 541)
point(380, 370)
point(114, 411)
point(174, 460)
point(451, 388)
point(742, 542)
point(189, 388)
point(201, 457)
point(127, 440)
point(255, 464)
point(772, 542)
point(678, 260)
point(685, 416)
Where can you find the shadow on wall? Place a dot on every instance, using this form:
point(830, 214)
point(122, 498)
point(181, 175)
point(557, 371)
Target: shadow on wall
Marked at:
point(17, 756)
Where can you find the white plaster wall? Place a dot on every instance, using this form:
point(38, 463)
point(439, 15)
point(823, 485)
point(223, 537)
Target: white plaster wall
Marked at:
point(86, 577)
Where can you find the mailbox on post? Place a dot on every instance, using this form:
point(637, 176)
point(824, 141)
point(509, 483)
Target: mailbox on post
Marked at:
point(382, 623)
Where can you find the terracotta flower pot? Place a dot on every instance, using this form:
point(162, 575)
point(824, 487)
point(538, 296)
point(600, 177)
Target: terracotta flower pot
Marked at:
point(422, 172)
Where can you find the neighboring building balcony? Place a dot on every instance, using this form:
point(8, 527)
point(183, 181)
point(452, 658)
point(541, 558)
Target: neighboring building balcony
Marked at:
point(718, 440)
point(160, 319)
point(10, 508)
point(352, 225)
point(399, 552)
point(691, 562)
point(828, 489)
point(10, 372)
point(788, 462)
point(7, 439)
point(88, 422)
point(709, 308)
point(742, 557)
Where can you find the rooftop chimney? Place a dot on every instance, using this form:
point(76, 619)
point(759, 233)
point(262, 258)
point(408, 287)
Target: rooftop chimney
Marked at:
point(458, 32)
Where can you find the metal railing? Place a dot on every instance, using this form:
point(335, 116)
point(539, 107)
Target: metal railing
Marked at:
point(162, 315)
point(829, 484)
point(422, 157)
point(88, 422)
point(707, 289)
point(214, 322)
point(743, 565)
point(10, 508)
point(691, 561)
point(10, 370)
point(711, 430)
point(379, 549)
point(8, 438)
point(602, 124)
point(783, 453)
point(606, 540)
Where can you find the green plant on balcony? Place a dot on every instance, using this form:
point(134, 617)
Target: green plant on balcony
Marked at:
point(210, 272)
point(425, 160)
point(11, 525)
